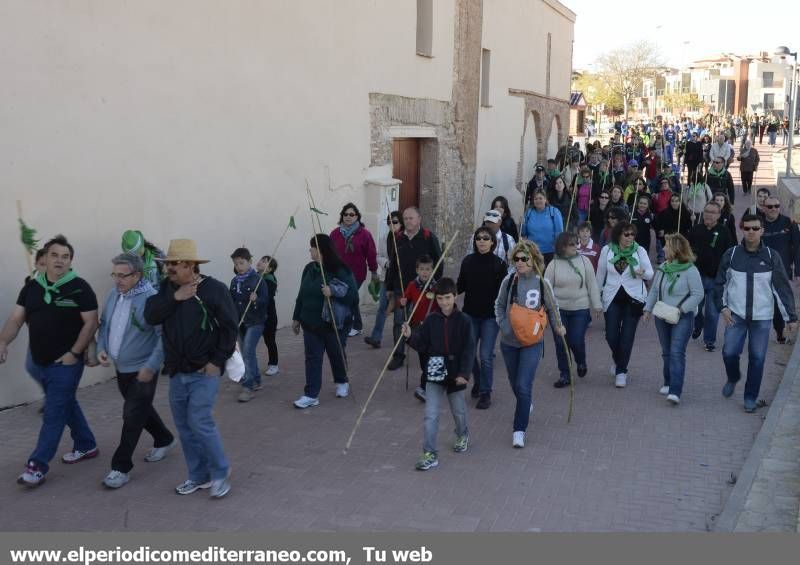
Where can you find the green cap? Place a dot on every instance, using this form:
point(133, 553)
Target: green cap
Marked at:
point(133, 242)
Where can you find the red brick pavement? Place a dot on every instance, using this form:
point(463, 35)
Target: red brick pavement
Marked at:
point(627, 462)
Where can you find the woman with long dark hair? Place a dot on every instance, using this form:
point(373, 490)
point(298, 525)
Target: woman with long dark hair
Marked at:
point(508, 225)
point(481, 274)
point(622, 270)
point(394, 221)
point(726, 217)
point(324, 309)
point(356, 247)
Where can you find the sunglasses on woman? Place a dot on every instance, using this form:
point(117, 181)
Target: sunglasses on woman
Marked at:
point(520, 259)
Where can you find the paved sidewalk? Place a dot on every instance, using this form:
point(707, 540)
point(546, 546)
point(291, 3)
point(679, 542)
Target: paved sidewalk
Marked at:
point(627, 462)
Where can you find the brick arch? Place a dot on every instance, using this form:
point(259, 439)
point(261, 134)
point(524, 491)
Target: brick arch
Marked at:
point(532, 122)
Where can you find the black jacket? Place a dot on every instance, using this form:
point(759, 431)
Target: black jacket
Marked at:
point(194, 331)
point(782, 236)
point(479, 279)
point(708, 246)
point(424, 243)
point(449, 336)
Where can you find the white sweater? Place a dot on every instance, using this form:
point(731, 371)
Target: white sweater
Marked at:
point(609, 280)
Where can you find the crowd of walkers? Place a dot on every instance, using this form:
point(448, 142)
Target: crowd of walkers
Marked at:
point(615, 236)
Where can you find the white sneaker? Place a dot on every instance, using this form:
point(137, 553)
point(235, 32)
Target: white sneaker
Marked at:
point(518, 439)
point(116, 479)
point(674, 399)
point(342, 390)
point(272, 370)
point(306, 402)
point(663, 390)
point(353, 333)
point(158, 453)
point(613, 370)
point(621, 380)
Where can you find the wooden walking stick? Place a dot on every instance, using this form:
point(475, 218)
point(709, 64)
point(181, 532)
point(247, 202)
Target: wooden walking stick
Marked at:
point(292, 225)
point(397, 343)
point(402, 286)
point(571, 204)
point(545, 287)
point(27, 237)
point(312, 210)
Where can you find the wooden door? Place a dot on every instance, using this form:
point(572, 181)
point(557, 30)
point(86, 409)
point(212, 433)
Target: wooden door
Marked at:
point(405, 159)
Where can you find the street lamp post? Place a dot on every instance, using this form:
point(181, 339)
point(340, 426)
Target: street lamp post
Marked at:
point(783, 51)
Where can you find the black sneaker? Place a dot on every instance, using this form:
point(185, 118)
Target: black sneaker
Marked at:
point(369, 341)
point(475, 392)
point(710, 347)
point(696, 333)
point(582, 370)
point(484, 401)
point(782, 339)
point(396, 363)
point(561, 383)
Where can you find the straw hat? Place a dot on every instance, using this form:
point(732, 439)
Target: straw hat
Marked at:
point(182, 250)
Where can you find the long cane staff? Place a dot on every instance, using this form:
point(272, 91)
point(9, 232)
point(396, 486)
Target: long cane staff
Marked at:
point(312, 210)
point(553, 301)
point(400, 277)
point(571, 205)
point(397, 343)
point(292, 225)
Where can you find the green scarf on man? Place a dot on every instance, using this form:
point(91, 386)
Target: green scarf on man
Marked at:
point(41, 278)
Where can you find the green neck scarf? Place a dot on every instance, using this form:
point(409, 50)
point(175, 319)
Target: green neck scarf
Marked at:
point(716, 173)
point(628, 255)
point(671, 270)
point(41, 278)
point(574, 268)
point(148, 260)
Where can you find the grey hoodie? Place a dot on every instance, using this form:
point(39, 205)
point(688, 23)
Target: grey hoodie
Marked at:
point(529, 291)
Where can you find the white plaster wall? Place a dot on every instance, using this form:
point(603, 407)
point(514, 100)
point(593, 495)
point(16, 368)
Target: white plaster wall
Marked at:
point(193, 119)
point(515, 31)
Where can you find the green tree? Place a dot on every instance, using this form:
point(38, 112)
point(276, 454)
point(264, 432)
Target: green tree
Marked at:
point(597, 92)
point(625, 69)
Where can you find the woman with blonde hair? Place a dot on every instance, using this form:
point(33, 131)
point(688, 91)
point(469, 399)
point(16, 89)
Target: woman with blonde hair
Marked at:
point(524, 305)
point(677, 286)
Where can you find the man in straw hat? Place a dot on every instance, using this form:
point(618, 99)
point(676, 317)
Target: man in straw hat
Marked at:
point(198, 322)
point(60, 309)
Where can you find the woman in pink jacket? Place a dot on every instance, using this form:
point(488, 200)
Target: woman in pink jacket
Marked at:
point(356, 247)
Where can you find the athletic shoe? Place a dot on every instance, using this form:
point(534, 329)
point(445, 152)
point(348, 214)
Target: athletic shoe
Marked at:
point(427, 461)
point(696, 333)
point(76, 456)
point(749, 405)
point(306, 402)
point(220, 487)
point(371, 342)
point(461, 444)
point(116, 479)
point(710, 347)
point(727, 390)
point(353, 333)
point(663, 390)
point(342, 390)
point(158, 453)
point(246, 395)
point(562, 382)
point(189, 486)
point(782, 339)
point(272, 370)
point(582, 370)
point(396, 363)
point(484, 401)
point(673, 399)
point(419, 394)
point(518, 439)
point(258, 386)
point(32, 477)
point(621, 380)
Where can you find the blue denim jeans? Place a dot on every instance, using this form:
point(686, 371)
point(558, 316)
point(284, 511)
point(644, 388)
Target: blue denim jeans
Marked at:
point(191, 397)
point(399, 318)
point(521, 363)
point(707, 314)
point(576, 323)
point(316, 344)
point(485, 331)
point(674, 339)
point(358, 323)
point(61, 408)
point(773, 135)
point(757, 343)
point(434, 398)
point(248, 340)
point(380, 316)
point(621, 322)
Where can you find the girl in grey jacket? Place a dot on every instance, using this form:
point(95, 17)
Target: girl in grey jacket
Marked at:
point(677, 283)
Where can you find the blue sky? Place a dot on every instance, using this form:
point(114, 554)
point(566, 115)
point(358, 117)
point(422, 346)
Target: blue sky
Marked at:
point(689, 29)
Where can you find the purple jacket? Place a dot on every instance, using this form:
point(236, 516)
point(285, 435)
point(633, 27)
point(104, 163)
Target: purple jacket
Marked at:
point(361, 255)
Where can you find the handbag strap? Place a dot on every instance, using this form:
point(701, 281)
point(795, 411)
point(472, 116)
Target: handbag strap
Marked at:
point(661, 283)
